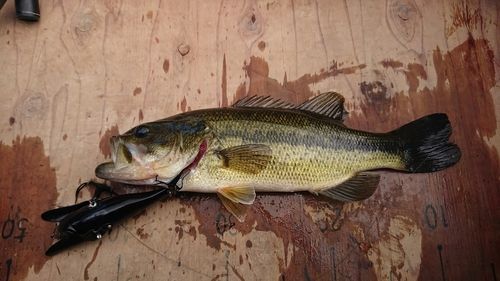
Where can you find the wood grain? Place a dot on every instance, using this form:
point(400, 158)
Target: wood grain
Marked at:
point(91, 69)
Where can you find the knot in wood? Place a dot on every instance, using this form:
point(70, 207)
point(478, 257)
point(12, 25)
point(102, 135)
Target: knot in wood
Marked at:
point(84, 24)
point(33, 105)
point(183, 49)
point(86, 20)
point(405, 12)
point(403, 17)
point(251, 25)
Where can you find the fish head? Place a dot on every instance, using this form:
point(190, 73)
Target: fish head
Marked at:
point(154, 151)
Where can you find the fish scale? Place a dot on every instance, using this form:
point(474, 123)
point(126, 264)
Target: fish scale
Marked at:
point(308, 151)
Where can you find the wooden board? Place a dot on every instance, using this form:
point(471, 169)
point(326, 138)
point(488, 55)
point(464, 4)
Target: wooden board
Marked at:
point(91, 69)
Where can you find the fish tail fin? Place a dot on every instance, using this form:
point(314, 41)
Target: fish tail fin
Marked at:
point(425, 144)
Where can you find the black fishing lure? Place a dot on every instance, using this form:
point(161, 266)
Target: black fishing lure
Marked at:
point(90, 220)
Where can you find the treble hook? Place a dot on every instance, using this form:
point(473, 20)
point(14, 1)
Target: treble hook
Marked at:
point(99, 189)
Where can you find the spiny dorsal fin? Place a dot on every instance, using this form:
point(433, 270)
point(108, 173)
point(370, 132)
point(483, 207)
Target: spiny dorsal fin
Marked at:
point(330, 104)
point(359, 187)
point(262, 101)
point(248, 158)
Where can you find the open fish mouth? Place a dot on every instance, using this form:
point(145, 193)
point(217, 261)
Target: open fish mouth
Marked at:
point(120, 153)
point(124, 167)
point(133, 174)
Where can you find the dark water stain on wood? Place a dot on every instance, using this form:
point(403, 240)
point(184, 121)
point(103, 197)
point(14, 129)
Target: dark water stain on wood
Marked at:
point(413, 74)
point(12, 120)
point(374, 91)
point(262, 45)
point(282, 214)
point(27, 188)
point(141, 115)
point(137, 91)
point(141, 233)
point(391, 63)
point(184, 226)
point(207, 208)
point(183, 104)
point(296, 91)
point(166, 66)
point(104, 144)
point(94, 256)
point(465, 76)
point(224, 102)
point(464, 16)
point(339, 245)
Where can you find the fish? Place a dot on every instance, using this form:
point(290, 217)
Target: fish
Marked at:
point(261, 144)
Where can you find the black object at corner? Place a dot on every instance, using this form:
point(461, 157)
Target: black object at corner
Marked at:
point(27, 10)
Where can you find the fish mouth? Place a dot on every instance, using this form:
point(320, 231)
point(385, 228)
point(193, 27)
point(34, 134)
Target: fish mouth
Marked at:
point(131, 175)
point(124, 166)
point(120, 152)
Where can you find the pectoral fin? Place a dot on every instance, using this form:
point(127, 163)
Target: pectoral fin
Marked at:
point(237, 199)
point(359, 187)
point(248, 158)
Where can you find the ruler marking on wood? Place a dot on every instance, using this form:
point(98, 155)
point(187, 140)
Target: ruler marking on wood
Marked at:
point(332, 250)
point(440, 249)
point(493, 271)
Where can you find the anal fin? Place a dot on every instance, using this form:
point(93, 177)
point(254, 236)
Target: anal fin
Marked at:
point(357, 188)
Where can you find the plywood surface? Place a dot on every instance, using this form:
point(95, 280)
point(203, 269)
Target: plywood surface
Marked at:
point(91, 69)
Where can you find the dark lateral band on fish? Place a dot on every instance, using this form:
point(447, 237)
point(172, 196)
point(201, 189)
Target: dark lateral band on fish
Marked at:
point(263, 144)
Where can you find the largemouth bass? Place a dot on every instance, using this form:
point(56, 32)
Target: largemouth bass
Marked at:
point(262, 144)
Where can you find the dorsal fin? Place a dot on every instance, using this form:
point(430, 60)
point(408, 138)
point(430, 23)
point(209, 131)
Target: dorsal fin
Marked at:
point(262, 101)
point(329, 104)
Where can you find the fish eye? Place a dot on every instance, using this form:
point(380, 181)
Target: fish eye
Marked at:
point(141, 131)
